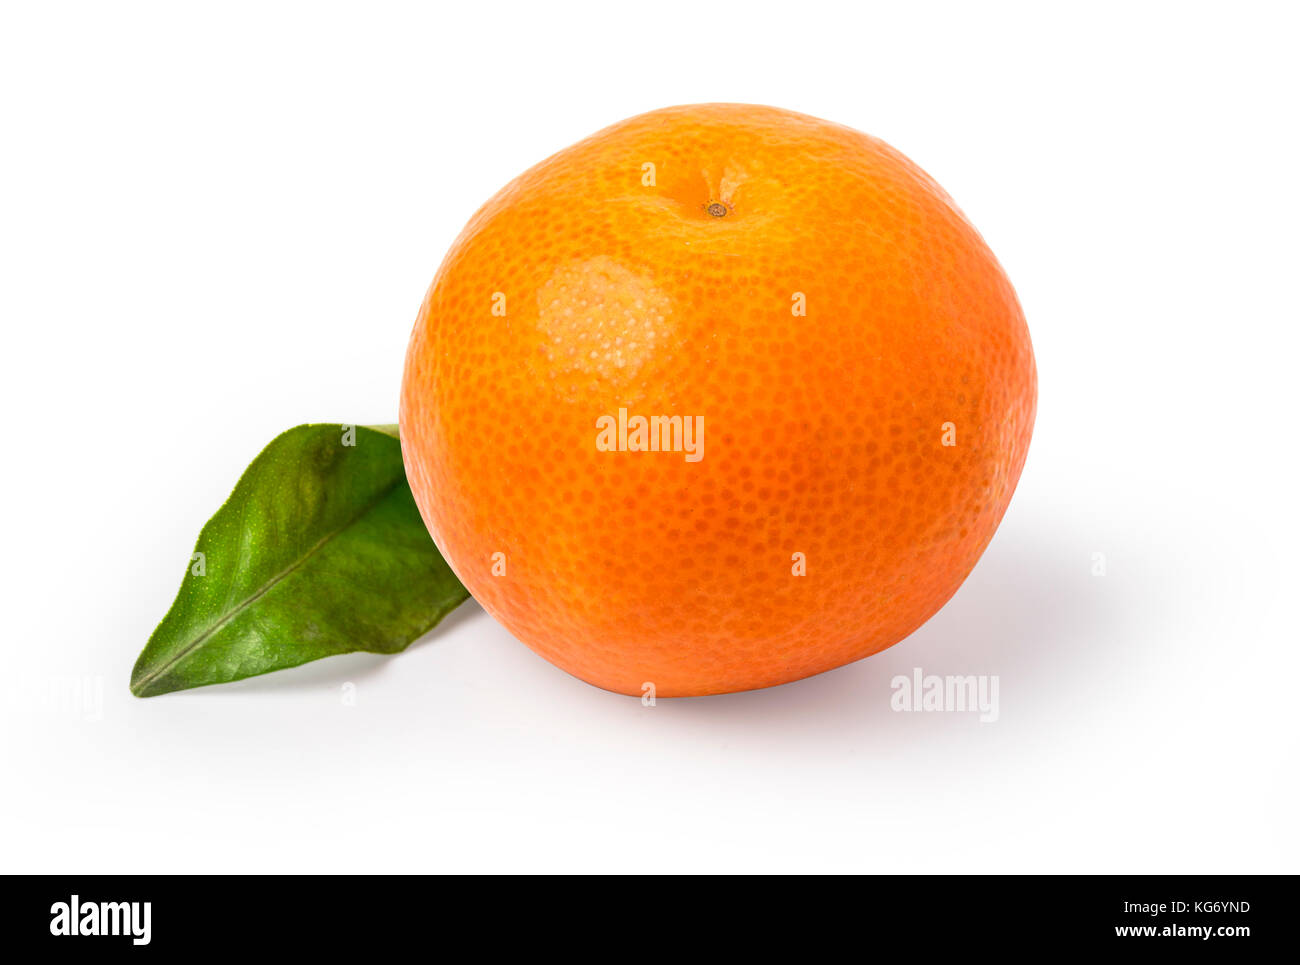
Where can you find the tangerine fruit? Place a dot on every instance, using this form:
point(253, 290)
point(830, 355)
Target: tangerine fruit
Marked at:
point(720, 397)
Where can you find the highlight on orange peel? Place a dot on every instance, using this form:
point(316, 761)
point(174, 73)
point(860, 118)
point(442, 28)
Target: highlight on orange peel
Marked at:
point(720, 397)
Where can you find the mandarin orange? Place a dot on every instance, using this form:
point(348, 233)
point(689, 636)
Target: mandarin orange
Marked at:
point(718, 398)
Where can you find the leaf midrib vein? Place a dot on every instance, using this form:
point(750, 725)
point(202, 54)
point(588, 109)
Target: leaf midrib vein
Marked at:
point(264, 588)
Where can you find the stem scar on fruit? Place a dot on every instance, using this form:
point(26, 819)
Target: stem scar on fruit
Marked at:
point(717, 209)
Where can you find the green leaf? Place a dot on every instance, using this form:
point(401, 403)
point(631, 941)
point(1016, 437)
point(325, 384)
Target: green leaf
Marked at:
point(320, 550)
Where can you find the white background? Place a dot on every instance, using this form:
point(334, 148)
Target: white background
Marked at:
point(217, 221)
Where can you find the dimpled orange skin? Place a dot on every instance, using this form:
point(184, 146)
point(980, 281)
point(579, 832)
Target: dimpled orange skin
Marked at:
point(824, 432)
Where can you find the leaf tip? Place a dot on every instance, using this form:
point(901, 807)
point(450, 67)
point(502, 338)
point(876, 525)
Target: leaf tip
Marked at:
point(143, 683)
